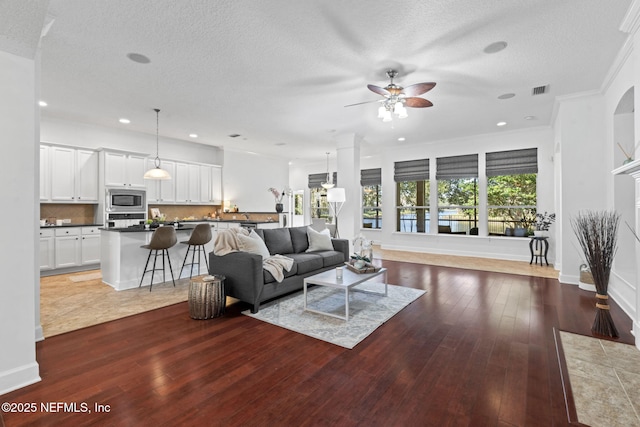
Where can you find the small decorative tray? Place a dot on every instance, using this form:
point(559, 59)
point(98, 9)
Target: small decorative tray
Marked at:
point(368, 268)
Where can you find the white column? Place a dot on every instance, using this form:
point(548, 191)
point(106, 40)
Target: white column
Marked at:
point(348, 162)
point(18, 366)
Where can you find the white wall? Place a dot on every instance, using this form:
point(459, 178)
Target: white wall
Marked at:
point(246, 179)
point(18, 366)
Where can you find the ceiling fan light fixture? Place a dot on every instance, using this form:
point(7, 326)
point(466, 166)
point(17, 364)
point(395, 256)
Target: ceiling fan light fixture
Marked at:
point(387, 116)
point(381, 111)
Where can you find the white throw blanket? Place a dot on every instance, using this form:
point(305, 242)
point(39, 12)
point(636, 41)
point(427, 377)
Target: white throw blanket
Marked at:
point(227, 242)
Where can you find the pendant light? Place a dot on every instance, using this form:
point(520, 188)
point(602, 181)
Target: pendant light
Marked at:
point(329, 181)
point(157, 172)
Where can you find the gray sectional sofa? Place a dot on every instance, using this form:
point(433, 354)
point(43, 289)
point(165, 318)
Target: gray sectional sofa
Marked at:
point(246, 280)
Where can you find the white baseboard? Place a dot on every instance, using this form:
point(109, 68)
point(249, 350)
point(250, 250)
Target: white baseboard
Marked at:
point(19, 377)
point(39, 333)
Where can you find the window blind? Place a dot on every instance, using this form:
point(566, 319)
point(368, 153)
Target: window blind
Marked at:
point(512, 162)
point(411, 170)
point(316, 179)
point(456, 167)
point(371, 177)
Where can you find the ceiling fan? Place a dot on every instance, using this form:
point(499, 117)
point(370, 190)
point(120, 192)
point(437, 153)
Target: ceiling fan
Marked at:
point(396, 98)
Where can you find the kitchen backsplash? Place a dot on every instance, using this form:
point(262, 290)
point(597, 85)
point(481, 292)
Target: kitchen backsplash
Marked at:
point(78, 214)
point(180, 212)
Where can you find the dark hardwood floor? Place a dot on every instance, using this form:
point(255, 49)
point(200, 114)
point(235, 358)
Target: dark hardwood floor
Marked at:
point(477, 349)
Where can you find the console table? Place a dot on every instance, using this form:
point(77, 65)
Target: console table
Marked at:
point(539, 247)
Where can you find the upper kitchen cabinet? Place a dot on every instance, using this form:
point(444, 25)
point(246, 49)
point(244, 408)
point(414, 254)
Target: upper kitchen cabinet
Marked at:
point(68, 175)
point(124, 169)
point(211, 184)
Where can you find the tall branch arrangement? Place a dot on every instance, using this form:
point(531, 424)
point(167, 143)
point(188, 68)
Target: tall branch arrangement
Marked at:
point(597, 233)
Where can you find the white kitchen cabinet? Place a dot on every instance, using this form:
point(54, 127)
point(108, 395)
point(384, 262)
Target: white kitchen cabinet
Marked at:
point(162, 191)
point(68, 175)
point(182, 182)
point(67, 247)
point(47, 249)
point(45, 179)
point(124, 169)
point(210, 184)
point(63, 174)
point(86, 179)
point(90, 245)
point(193, 189)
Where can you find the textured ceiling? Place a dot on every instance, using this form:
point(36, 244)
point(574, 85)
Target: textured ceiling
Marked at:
point(280, 72)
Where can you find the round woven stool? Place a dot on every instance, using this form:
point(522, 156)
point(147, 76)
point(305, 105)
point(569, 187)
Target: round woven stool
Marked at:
point(206, 297)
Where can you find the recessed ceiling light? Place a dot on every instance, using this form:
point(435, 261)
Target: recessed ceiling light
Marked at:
point(125, 121)
point(501, 124)
point(280, 144)
point(530, 117)
point(506, 95)
point(234, 135)
point(138, 57)
point(193, 135)
point(42, 103)
point(402, 138)
point(495, 47)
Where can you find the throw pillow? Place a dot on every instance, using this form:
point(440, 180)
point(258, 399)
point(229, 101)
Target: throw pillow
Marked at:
point(253, 245)
point(319, 241)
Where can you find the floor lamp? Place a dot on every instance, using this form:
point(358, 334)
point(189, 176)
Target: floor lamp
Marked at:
point(336, 198)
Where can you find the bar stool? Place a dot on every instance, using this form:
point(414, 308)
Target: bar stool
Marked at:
point(200, 236)
point(161, 240)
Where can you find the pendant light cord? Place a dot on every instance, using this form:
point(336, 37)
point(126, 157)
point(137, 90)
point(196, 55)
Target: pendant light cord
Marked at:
point(157, 160)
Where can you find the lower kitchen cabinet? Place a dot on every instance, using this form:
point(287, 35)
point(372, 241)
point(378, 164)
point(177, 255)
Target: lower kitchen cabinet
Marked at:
point(47, 250)
point(90, 245)
point(69, 247)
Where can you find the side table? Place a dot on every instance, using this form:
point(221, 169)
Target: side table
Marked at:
point(539, 247)
point(207, 298)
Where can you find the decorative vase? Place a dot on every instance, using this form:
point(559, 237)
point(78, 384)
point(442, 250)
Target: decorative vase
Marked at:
point(279, 207)
point(538, 233)
point(520, 232)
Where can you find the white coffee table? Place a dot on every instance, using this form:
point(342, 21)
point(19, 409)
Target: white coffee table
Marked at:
point(349, 281)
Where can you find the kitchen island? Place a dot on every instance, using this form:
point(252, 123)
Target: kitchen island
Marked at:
point(122, 260)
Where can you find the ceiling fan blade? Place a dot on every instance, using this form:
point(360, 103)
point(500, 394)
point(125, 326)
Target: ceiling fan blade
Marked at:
point(365, 102)
point(379, 90)
point(418, 89)
point(417, 102)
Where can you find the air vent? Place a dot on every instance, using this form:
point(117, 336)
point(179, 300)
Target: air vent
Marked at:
point(234, 135)
point(539, 90)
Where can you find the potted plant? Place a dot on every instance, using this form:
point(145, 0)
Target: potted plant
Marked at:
point(543, 222)
point(526, 223)
point(278, 195)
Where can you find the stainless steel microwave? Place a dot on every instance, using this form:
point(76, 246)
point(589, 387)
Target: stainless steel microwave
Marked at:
point(125, 200)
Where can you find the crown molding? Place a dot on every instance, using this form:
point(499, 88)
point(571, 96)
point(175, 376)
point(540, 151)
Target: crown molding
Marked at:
point(631, 21)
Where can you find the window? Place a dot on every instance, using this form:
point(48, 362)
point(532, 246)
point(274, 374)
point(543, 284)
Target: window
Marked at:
point(511, 190)
point(371, 180)
point(412, 196)
point(457, 178)
point(318, 197)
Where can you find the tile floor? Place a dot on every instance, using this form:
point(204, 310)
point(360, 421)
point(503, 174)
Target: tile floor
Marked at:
point(605, 380)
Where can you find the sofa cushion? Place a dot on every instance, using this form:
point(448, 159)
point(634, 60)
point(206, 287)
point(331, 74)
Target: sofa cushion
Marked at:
point(306, 262)
point(330, 258)
point(299, 239)
point(278, 241)
point(319, 241)
point(253, 244)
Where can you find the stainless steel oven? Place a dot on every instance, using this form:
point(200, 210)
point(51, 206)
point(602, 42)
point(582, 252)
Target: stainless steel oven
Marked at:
point(125, 200)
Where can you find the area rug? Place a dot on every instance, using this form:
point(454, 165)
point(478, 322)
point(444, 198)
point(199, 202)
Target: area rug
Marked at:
point(605, 380)
point(366, 312)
